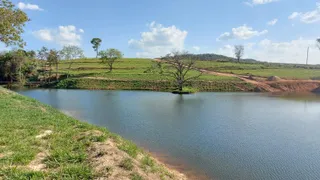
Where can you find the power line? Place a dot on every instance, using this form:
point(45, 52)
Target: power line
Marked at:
point(307, 56)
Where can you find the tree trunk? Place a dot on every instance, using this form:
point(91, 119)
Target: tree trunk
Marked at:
point(110, 68)
point(69, 69)
point(97, 53)
point(57, 69)
point(180, 85)
point(50, 74)
point(238, 60)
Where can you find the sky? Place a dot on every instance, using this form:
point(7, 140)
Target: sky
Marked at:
point(270, 30)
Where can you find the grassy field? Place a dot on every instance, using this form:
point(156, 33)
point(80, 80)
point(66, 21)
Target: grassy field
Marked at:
point(130, 74)
point(39, 142)
point(288, 71)
point(134, 69)
point(124, 69)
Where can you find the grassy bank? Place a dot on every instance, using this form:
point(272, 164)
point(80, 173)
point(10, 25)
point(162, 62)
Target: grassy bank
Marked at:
point(39, 142)
point(130, 74)
point(109, 84)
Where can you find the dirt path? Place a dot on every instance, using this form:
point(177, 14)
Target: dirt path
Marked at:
point(283, 85)
point(262, 85)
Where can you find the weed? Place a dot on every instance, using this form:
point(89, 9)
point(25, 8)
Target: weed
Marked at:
point(126, 164)
point(136, 176)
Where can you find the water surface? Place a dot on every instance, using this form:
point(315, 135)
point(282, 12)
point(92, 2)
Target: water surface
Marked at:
point(222, 135)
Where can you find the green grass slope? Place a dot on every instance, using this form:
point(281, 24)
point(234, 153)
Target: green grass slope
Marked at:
point(129, 74)
point(39, 142)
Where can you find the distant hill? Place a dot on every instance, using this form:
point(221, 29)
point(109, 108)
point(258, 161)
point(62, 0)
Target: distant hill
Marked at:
point(216, 57)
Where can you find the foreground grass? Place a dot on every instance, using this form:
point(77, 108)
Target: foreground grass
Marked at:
point(39, 142)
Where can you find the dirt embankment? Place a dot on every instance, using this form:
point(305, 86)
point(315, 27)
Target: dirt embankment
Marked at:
point(112, 163)
point(274, 84)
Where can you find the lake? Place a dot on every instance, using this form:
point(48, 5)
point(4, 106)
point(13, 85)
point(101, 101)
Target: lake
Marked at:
point(244, 136)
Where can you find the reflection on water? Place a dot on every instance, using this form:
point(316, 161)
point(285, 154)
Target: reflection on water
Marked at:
point(223, 135)
point(307, 97)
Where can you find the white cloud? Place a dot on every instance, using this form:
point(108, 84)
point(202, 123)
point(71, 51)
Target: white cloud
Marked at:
point(294, 51)
point(242, 32)
point(81, 30)
point(259, 2)
point(272, 22)
point(307, 17)
point(294, 15)
point(44, 34)
point(159, 40)
point(225, 36)
point(28, 6)
point(196, 48)
point(63, 35)
point(226, 50)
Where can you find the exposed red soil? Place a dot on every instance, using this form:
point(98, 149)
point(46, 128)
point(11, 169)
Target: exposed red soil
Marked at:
point(280, 85)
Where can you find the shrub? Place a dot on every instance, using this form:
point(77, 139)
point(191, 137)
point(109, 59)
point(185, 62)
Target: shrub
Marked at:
point(126, 164)
point(67, 84)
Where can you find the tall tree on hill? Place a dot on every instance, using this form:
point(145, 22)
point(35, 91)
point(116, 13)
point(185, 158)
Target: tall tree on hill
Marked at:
point(71, 53)
point(96, 42)
point(12, 21)
point(43, 53)
point(53, 59)
point(31, 54)
point(238, 51)
point(109, 56)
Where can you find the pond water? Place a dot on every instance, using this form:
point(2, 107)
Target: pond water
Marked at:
point(243, 136)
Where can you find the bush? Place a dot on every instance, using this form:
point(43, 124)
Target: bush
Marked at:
point(67, 84)
point(126, 164)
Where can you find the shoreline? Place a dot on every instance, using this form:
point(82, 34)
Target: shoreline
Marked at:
point(244, 84)
point(162, 86)
point(179, 166)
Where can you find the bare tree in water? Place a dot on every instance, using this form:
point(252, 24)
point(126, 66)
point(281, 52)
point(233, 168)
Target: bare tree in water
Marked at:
point(179, 66)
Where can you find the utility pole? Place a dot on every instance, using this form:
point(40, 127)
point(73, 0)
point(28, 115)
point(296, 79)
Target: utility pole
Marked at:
point(307, 56)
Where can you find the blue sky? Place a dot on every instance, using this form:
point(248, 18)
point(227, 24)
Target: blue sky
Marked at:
point(270, 30)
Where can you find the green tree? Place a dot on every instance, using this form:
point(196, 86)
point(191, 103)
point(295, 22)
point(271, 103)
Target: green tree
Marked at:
point(96, 42)
point(109, 56)
point(12, 21)
point(43, 53)
point(31, 54)
point(11, 66)
point(53, 59)
point(71, 53)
